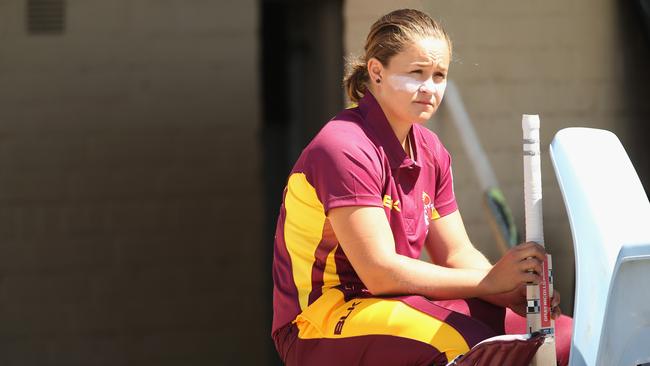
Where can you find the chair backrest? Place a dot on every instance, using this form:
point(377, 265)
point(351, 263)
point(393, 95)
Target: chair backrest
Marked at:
point(609, 215)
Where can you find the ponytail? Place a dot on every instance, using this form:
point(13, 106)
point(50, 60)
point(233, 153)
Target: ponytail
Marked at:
point(356, 79)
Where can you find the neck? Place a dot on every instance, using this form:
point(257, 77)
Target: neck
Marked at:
point(401, 132)
point(400, 128)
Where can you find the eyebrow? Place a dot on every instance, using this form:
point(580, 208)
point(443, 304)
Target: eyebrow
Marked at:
point(428, 64)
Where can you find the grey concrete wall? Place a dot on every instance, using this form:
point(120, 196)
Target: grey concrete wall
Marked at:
point(561, 60)
point(129, 186)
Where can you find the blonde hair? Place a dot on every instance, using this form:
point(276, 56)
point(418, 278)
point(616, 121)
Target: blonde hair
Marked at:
point(388, 36)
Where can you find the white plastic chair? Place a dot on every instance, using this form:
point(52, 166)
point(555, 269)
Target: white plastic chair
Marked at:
point(609, 215)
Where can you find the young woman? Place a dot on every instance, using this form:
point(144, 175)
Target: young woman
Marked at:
point(366, 195)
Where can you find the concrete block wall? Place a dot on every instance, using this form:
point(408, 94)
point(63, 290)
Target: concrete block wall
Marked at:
point(556, 59)
point(129, 186)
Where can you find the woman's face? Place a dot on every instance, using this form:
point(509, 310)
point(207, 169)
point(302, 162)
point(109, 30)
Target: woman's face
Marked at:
point(413, 83)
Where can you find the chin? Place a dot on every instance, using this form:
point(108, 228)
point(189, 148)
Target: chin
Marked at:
point(423, 115)
point(422, 118)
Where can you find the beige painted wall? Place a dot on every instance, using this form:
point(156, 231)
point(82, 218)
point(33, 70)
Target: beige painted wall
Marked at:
point(557, 59)
point(130, 189)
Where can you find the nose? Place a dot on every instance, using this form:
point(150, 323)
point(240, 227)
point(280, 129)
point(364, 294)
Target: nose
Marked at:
point(428, 86)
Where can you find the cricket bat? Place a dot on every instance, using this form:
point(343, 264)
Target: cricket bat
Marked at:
point(538, 297)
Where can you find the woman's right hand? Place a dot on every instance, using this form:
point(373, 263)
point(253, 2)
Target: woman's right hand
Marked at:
point(520, 265)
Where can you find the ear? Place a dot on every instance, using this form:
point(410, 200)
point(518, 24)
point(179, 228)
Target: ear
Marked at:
point(375, 69)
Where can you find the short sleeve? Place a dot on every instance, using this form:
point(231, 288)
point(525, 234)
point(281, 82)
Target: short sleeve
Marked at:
point(445, 199)
point(345, 173)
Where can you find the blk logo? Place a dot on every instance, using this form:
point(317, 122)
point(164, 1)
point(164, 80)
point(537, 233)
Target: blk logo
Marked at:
point(339, 325)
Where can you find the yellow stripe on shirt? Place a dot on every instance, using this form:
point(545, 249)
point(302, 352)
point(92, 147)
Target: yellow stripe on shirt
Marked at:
point(303, 231)
point(330, 277)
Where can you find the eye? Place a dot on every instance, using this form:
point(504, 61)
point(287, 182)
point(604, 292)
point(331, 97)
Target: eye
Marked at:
point(419, 72)
point(439, 76)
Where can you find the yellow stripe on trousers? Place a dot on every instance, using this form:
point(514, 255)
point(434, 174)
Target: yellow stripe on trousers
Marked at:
point(376, 316)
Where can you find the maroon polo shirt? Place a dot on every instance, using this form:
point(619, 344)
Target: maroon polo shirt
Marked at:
point(355, 160)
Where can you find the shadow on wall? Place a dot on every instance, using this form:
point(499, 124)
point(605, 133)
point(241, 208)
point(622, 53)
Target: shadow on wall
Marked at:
point(302, 69)
point(634, 26)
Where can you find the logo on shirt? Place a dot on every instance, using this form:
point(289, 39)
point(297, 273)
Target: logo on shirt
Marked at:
point(393, 205)
point(338, 329)
point(429, 210)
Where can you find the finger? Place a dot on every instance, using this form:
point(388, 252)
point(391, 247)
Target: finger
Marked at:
point(531, 277)
point(531, 249)
point(530, 244)
point(531, 264)
point(555, 301)
point(556, 312)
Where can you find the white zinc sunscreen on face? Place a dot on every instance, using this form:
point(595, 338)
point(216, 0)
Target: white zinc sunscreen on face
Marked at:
point(411, 84)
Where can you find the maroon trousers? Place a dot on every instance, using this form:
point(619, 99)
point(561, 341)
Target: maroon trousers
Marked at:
point(474, 319)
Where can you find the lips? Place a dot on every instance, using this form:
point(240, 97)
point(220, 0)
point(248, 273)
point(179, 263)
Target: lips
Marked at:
point(425, 102)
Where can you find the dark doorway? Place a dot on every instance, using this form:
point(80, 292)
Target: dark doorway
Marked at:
point(634, 36)
point(302, 68)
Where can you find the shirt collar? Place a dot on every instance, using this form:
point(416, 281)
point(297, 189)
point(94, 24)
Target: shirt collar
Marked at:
point(375, 118)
